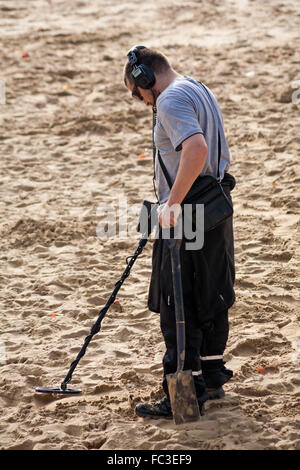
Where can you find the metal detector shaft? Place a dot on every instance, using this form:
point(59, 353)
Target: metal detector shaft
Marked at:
point(97, 325)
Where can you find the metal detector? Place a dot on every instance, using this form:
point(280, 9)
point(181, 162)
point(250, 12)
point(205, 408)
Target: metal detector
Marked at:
point(147, 221)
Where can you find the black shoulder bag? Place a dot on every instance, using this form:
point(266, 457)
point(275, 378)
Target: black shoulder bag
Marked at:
point(208, 191)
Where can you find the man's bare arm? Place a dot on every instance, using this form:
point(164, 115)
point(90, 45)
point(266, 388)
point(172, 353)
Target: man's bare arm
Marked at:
point(193, 156)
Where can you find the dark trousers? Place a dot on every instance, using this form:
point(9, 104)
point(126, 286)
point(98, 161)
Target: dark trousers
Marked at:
point(206, 335)
point(208, 277)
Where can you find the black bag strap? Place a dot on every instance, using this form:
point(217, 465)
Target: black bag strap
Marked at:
point(153, 142)
point(218, 126)
point(154, 149)
point(165, 171)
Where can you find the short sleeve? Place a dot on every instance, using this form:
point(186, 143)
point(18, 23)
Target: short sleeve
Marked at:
point(178, 118)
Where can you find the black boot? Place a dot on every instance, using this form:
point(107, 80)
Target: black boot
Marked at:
point(215, 393)
point(215, 375)
point(162, 408)
point(159, 409)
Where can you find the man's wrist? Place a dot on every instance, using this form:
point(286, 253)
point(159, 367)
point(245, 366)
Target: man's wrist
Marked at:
point(173, 199)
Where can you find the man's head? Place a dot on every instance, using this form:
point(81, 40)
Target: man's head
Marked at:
point(143, 71)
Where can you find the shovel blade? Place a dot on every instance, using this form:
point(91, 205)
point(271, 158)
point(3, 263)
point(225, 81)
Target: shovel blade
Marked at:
point(183, 398)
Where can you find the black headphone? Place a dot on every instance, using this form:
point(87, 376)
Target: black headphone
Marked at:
point(142, 74)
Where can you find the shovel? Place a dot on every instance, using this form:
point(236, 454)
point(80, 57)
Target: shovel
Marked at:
point(181, 385)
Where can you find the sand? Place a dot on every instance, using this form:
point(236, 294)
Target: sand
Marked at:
point(71, 140)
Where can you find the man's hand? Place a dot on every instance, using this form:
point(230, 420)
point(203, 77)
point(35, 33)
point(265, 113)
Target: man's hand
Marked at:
point(168, 215)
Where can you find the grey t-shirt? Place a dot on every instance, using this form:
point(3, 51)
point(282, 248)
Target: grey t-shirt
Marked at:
point(184, 109)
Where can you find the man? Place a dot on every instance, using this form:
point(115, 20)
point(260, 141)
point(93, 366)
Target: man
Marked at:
point(186, 133)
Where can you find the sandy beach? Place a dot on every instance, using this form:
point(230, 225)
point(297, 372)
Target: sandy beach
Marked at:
point(72, 141)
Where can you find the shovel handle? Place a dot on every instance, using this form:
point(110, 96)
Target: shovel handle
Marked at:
point(178, 300)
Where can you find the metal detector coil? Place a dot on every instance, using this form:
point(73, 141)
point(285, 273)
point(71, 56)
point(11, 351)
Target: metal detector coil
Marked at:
point(66, 391)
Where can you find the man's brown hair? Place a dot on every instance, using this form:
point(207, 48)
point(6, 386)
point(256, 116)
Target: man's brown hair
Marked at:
point(154, 59)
